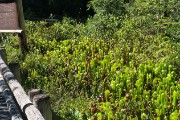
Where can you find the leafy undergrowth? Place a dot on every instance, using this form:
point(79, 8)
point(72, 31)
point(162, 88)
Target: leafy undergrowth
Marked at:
point(113, 81)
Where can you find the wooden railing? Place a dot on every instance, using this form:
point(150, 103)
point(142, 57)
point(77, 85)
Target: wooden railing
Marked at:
point(9, 105)
point(36, 106)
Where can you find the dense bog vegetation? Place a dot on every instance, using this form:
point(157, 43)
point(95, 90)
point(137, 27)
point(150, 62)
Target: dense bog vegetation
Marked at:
point(124, 63)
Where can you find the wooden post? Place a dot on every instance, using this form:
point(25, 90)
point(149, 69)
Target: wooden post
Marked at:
point(3, 54)
point(15, 69)
point(22, 36)
point(34, 92)
point(42, 102)
point(20, 14)
point(23, 42)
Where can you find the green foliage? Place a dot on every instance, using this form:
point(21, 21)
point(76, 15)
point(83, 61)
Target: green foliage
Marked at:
point(114, 7)
point(122, 64)
point(131, 72)
point(11, 43)
point(108, 17)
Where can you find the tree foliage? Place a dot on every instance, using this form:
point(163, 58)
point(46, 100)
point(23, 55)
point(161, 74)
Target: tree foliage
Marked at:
point(56, 8)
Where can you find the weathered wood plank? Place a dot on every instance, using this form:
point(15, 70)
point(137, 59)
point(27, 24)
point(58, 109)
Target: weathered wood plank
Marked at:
point(23, 100)
point(8, 16)
point(13, 110)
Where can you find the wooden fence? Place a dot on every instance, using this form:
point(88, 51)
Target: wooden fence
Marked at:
point(36, 106)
